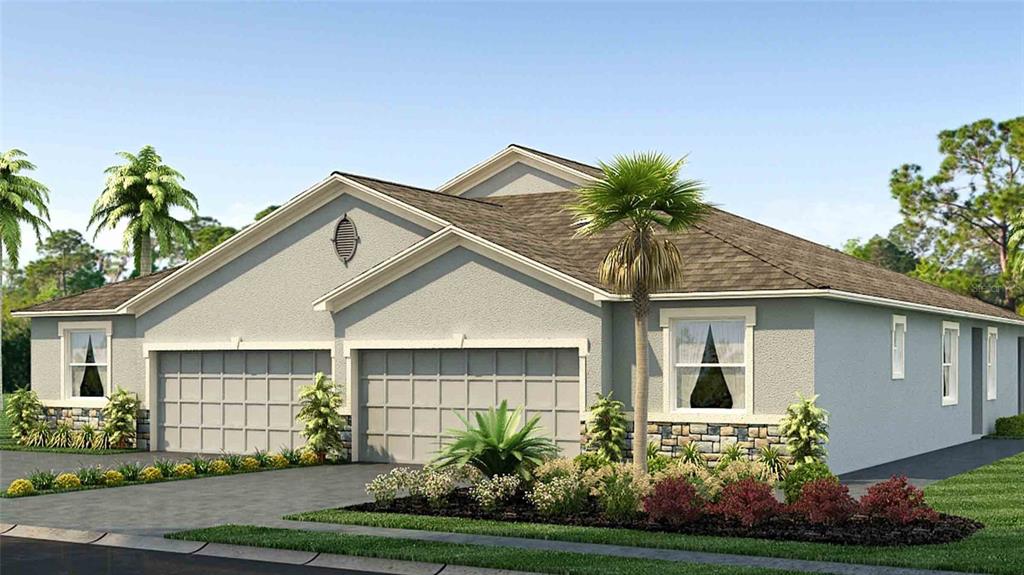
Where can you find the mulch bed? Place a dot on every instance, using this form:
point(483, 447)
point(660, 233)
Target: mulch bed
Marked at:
point(859, 530)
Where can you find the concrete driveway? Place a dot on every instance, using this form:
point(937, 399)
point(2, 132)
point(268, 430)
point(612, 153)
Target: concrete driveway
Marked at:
point(158, 508)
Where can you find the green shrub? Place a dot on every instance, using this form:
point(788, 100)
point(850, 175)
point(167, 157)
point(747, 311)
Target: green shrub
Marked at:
point(732, 452)
point(562, 496)
point(656, 460)
point(690, 453)
point(23, 410)
point(61, 436)
point(322, 422)
point(1010, 426)
point(434, 485)
point(805, 428)
point(621, 491)
point(261, 457)
point(386, 487)
point(42, 480)
point(590, 460)
point(20, 487)
point(83, 437)
point(150, 474)
point(490, 492)
point(184, 470)
point(774, 461)
point(201, 465)
point(735, 470)
point(38, 436)
point(498, 445)
point(607, 427)
point(113, 478)
point(294, 456)
point(234, 460)
point(802, 474)
point(90, 475)
point(101, 439)
point(67, 481)
point(119, 418)
point(130, 471)
point(166, 467)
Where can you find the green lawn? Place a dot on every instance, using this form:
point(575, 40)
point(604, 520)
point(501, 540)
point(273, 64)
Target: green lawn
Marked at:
point(993, 494)
point(453, 553)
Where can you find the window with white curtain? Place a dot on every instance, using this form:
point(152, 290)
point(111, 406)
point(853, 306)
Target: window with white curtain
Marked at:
point(991, 363)
point(710, 363)
point(85, 355)
point(899, 346)
point(950, 362)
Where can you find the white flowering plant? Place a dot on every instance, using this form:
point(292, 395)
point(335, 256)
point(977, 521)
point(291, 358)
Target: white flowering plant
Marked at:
point(489, 492)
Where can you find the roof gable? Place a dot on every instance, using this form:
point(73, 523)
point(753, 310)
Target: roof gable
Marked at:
point(561, 173)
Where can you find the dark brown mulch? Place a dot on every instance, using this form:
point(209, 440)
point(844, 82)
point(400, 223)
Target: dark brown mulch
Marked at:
point(859, 530)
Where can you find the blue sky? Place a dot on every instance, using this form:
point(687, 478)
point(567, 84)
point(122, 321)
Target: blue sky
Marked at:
point(793, 114)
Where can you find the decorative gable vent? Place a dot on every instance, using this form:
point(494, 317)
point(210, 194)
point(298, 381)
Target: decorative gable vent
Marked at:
point(345, 239)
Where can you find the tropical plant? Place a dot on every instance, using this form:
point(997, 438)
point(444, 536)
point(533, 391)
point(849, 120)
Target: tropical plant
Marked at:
point(232, 459)
point(794, 482)
point(20, 487)
point(142, 191)
point(61, 437)
point(643, 194)
point(589, 460)
point(130, 471)
point(656, 460)
point(42, 480)
point(293, 456)
point(200, 464)
point(498, 445)
point(732, 452)
point(165, 466)
point(607, 427)
point(261, 456)
point(805, 427)
point(320, 413)
point(83, 436)
point(119, 418)
point(23, 410)
point(39, 436)
point(690, 453)
point(22, 200)
point(90, 475)
point(774, 460)
point(101, 439)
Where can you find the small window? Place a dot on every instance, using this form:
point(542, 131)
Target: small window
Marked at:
point(86, 355)
point(710, 363)
point(991, 363)
point(950, 362)
point(899, 346)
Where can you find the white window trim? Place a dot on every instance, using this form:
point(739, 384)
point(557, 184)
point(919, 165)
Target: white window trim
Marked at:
point(992, 364)
point(954, 371)
point(746, 313)
point(900, 373)
point(63, 329)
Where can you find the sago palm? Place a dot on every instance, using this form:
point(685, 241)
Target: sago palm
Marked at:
point(142, 192)
point(22, 199)
point(642, 195)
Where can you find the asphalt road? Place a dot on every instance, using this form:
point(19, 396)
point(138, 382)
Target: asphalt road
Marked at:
point(30, 557)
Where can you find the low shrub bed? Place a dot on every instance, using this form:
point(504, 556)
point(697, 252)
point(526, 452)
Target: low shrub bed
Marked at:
point(45, 482)
point(1012, 427)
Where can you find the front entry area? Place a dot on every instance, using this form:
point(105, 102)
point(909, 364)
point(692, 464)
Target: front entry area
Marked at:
point(409, 398)
point(233, 401)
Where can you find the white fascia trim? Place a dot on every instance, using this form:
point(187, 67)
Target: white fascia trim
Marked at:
point(437, 245)
point(459, 341)
point(237, 344)
point(722, 417)
point(83, 402)
point(68, 313)
point(292, 211)
point(503, 159)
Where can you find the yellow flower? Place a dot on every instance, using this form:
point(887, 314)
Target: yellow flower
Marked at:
point(219, 467)
point(20, 487)
point(67, 481)
point(184, 470)
point(150, 474)
point(113, 477)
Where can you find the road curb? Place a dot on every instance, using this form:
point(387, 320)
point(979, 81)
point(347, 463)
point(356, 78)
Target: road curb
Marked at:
point(54, 534)
point(265, 554)
point(5, 527)
point(126, 541)
point(375, 565)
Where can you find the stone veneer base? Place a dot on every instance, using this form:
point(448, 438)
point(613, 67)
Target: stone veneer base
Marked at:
point(79, 416)
point(709, 438)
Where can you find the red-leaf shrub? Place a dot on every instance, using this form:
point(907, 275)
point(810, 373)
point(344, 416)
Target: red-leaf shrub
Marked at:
point(897, 501)
point(825, 502)
point(673, 501)
point(748, 501)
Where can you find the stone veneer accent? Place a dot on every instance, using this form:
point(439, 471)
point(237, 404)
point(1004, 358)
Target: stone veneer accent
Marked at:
point(710, 438)
point(79, 416)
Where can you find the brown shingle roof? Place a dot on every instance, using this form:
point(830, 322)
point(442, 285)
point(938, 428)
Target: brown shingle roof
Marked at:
point(573, 164)
point(103, 298)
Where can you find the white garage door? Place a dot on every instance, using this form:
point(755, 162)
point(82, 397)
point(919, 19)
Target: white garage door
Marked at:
point(409, 398)
point(233, 401)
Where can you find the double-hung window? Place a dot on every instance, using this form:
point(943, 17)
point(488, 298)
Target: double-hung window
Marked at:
point(899, 346)
point(950, 362)
point(86, 353)
point(991, 363)
point(709, 352)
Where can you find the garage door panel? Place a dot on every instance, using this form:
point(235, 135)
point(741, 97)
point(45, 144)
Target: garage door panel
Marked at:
point(399, 420)
point(399, 363)
point(399, 392)
point(509, 362)
point(567, 395)
point(426, 391)
point(450, 419)
point(453, 393)
point(426, 420)
point(376, 390)
point(376, 421)
point(453, 363)
point(514, 392)
point(481, 362)
point(426, 363)
point(568, 363)
point(481, 393)
point(540, 394)
point(233, 401)
point(540, 362)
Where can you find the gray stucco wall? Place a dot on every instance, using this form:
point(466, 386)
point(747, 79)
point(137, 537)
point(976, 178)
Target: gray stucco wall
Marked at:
point(784, 351)
point(462, 292)
point(518, 178)
point(125, 355)
point(875, 419)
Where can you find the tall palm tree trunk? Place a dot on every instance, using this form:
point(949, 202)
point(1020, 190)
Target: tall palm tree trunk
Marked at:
point(641, 305)
point(145, 254)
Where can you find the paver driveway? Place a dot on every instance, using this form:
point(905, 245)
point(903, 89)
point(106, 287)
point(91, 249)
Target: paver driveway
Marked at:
point(154, 509)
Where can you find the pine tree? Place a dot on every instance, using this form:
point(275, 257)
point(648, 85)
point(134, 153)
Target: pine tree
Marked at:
point(711, 391)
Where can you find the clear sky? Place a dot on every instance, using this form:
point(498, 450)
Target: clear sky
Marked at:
point(793, 114)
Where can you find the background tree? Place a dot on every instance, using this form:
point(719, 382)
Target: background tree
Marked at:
point(265, 212)
point(967, 209)
point(206, 233)
point(640, 195)
point(883, 252)
point(69, 261)
point(142, 191)
point(22, 199)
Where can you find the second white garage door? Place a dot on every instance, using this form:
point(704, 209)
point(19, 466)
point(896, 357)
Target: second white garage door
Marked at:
point(233, 401)
point(409, 398)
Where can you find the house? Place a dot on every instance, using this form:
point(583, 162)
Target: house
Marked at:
point(426, 303)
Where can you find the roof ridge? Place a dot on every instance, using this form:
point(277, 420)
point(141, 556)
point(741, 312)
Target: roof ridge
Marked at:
point(556, 157)
point(415, 188)
point(757, 255)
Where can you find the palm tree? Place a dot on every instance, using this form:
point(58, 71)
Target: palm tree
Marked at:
point(142, 191)
point(639, 195)
point(18, 195)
